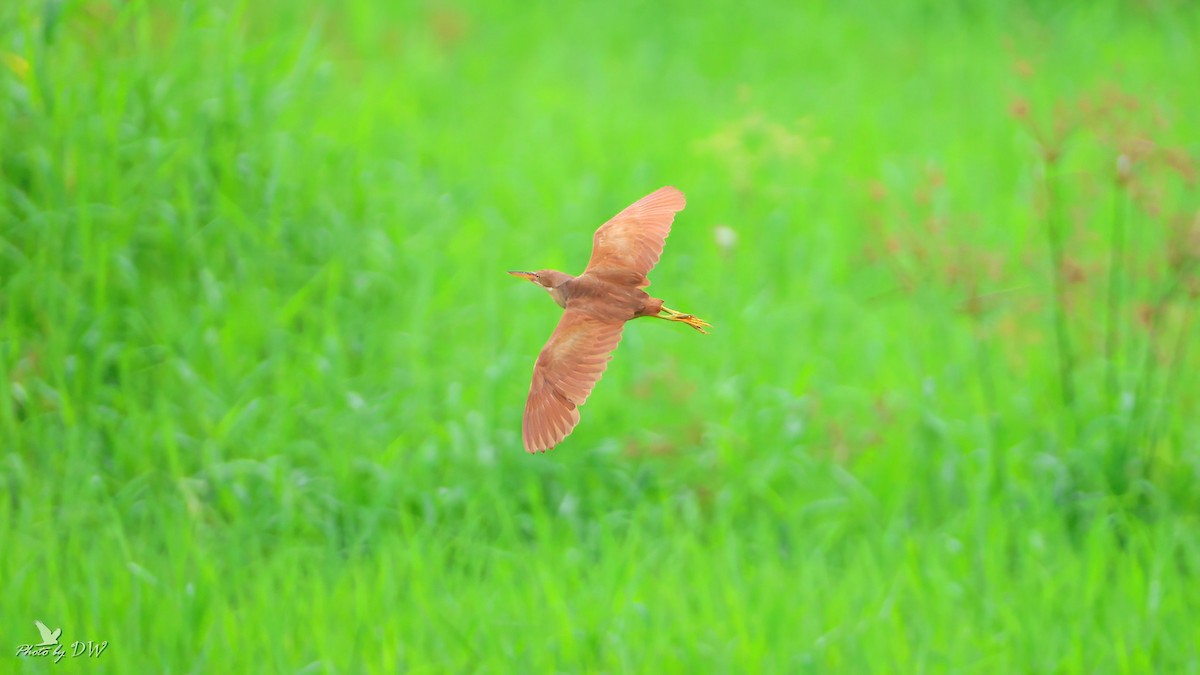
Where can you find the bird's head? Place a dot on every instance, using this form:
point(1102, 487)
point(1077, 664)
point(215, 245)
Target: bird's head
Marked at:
point(546, 278)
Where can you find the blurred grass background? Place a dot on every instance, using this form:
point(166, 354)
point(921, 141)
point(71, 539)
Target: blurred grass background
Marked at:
point(262, 373)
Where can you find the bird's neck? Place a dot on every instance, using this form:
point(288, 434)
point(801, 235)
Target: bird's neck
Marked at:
point(559, 294)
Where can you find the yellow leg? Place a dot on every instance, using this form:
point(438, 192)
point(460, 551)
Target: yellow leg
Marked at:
point(693, 321)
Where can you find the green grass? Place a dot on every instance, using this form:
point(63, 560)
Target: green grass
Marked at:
point(262, 372)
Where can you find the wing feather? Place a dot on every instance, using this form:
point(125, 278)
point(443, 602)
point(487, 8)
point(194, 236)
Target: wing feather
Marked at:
point(628, 246)
point(566, 371)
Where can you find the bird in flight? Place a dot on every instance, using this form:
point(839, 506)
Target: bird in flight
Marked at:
point(49, 637)
point(596, 306)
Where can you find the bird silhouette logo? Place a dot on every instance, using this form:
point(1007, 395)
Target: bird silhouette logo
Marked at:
point(49, 637)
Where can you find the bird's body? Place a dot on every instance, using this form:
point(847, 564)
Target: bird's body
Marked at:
point(603, 299)
point(596, 306)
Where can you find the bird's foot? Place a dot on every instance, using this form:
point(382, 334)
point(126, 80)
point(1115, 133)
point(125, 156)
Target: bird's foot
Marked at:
point(693, 321)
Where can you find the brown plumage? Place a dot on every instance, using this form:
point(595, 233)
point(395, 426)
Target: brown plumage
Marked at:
point(596, 306)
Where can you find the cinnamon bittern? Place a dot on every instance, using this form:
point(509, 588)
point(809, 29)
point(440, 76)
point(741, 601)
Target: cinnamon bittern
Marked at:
point(596, 306)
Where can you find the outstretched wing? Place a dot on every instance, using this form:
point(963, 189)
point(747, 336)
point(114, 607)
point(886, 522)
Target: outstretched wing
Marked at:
point(628, 246)
point(47, 634)
point(569, 366)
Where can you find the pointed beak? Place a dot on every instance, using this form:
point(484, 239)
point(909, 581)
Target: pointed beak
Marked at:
point(528, 276)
